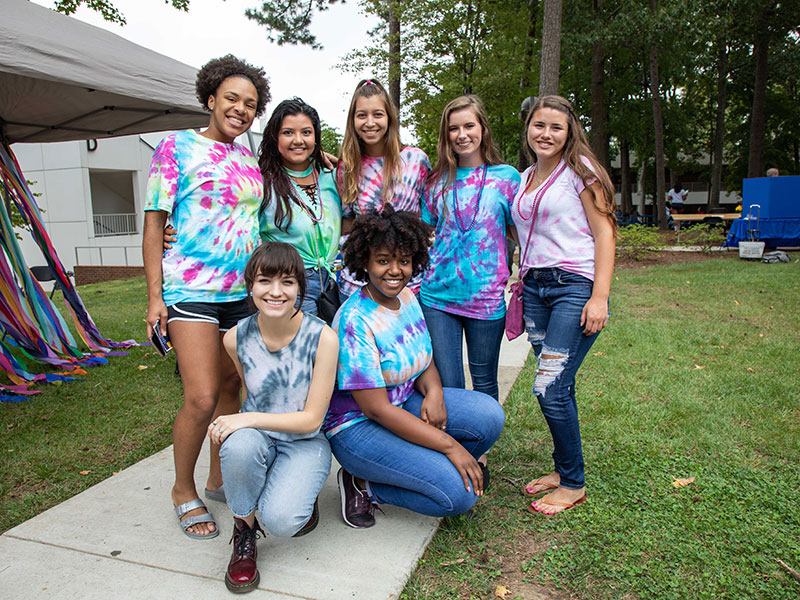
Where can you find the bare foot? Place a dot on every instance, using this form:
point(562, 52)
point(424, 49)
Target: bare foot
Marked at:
point(543, 484)
point(560, 500)
point(199, 528)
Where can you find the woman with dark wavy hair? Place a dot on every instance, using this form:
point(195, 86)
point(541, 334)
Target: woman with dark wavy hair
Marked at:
point(301, 205)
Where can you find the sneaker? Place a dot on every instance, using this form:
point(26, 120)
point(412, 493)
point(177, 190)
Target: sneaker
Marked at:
point(242, 574)
point(312, 522)
point(357, 510)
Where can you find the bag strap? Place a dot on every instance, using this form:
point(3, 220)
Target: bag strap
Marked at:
point(537, 200)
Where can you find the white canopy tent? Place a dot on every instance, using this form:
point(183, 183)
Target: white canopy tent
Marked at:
point(62, 79)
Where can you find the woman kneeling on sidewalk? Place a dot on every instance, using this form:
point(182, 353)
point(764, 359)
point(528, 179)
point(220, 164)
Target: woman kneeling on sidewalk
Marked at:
point(400, 437)
point(274, 457)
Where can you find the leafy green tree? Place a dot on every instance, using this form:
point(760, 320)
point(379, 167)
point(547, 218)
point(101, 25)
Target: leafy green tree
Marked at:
point(107, 9)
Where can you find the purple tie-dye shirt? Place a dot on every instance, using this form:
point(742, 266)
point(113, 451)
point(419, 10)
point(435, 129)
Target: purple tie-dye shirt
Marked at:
point(378, 348)
point(561, 234)
point(469, 269)
point(213, 191)
point(406, 195)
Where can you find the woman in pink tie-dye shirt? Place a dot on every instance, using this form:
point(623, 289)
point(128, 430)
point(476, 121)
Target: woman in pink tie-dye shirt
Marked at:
point(375, 168)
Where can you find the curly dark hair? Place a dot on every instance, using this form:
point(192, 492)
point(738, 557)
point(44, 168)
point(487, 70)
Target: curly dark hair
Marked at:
point(217, 70)
point(396, 231)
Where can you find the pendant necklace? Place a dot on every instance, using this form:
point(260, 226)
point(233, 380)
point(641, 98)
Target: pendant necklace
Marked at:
point(299, 175)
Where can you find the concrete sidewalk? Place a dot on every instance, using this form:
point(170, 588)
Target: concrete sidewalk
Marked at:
point(121, 539)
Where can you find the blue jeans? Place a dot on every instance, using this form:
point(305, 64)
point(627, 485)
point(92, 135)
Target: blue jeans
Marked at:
point(404, 474)
point(552, 301)
point(313, 290)
point(281, 479)
point(483, 349)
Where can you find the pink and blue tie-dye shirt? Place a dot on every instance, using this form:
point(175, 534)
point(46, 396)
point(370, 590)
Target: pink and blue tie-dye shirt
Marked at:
point(469, 270)
point(378, 348)
point(561, 234)
point(213, 191)
point(406, 195)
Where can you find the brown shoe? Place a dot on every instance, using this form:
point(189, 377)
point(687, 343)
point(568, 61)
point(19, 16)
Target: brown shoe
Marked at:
point(242, 575)
point(312, 522)
point(357, 510)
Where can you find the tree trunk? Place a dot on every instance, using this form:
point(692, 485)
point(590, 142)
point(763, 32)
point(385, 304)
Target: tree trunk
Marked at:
point(643, 187)
point(599, 133)
point(394, 54)
point(755, 162)
point(658, 125)
point(626, 201)
point(524, 82)
point(551, 47)
point(719, 132)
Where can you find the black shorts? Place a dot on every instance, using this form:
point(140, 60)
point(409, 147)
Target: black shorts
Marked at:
point(224, 314)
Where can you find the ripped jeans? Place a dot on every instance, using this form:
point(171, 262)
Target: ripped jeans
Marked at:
point(552, 301)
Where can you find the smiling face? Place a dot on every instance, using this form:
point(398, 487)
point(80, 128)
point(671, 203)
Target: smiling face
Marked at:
point(274, 296)
point(388, 272)
point(371, 123)
point(233, 108)
point(547, 133)
point(296, 141)
point(464, 133)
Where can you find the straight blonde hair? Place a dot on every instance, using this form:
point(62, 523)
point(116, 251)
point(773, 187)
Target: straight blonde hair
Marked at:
point(446, 159)
point(353, 147)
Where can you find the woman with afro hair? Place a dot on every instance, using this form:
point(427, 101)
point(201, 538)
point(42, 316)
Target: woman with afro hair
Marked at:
point(211, 188)
point(400, 437)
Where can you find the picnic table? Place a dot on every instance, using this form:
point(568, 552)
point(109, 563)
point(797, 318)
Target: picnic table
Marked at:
point(726, 218)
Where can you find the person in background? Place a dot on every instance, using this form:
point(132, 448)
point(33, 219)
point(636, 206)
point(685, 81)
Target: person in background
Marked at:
point(676, 198)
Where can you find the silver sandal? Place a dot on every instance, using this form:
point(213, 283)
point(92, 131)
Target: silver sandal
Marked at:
point(186, 507)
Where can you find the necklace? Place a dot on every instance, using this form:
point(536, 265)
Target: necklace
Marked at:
point(366, 289)
point(299, 174)
point(552, 176)
point(303, 205)
point(477, 205)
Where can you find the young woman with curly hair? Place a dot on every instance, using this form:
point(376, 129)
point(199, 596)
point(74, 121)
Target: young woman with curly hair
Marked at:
point(375, 168)
point(566, 206)
point(468, 201)
point(400, 437)
point(212, 189)
point(301, 205)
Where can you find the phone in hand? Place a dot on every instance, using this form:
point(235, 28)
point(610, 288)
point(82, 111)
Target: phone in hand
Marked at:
point(160, 342)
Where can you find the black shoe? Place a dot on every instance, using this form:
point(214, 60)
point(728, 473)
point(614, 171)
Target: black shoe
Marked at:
point(242, 574)
point(486, 478)
point(312, 522)
point(357, 510)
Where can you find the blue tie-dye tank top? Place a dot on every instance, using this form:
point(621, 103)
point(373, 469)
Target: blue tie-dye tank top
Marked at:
point(278, 382)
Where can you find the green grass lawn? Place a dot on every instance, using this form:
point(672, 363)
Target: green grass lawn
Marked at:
point(696, 376)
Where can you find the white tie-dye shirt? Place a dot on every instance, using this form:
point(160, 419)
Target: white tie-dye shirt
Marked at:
point(561, 234)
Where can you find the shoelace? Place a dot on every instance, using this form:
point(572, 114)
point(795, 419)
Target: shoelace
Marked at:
point(246, 543)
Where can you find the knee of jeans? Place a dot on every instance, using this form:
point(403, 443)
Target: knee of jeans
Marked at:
point(535, 334)
point(281, 521)
point(552, 362)
point(461, 502)
point(240, 445)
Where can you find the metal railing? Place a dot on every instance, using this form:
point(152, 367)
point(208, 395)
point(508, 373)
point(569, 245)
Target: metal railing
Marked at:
point(117, 224)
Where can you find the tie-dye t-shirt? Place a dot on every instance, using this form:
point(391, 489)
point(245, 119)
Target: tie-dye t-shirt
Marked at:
point(317, 243)
point(213, 191)
point(561, 234)
point(278, 382)
point(378, 348)
point(469, 270)
point(407, 195)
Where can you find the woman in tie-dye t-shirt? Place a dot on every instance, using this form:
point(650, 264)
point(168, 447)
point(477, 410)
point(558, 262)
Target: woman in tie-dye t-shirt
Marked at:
point(375, 168)
point(212, 189)
point(400, 437)
point(468, 202)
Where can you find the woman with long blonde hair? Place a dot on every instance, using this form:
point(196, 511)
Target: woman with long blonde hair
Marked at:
point(375, 168)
